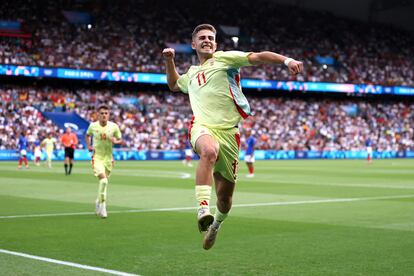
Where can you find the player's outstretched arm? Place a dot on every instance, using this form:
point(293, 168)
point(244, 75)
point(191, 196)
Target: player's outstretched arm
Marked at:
point(171, 71)
point(266, 57)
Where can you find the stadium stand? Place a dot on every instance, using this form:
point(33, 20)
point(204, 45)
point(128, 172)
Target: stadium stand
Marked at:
point(130, 35)
point(158, 120)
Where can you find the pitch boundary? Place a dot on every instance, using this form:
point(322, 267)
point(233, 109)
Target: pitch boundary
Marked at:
point(278, 203)
point(71, 264)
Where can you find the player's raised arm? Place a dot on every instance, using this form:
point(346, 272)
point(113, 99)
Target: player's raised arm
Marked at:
point(171, 71)
point(267, 57)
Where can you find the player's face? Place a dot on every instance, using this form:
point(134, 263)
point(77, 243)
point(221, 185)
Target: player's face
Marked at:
point(103, 115)
point(204, 42)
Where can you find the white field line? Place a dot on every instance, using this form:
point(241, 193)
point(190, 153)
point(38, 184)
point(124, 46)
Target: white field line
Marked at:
point(280, 203)
point(263, 179)
point(54, 261)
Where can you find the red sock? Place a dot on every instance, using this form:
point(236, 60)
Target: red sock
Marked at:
point(20, 161)
point(25, 160)
point(37, 159)
point(369, 157)
point(250, 167)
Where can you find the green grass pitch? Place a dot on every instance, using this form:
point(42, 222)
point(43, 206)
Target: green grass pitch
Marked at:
point(338, 217)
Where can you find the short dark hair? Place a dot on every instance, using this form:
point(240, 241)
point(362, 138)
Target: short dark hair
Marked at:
point(103, 106)
point(203, 27)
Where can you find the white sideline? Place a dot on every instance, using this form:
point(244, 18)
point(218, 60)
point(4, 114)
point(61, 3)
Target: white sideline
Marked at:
point(280, 203)
point(48, 260)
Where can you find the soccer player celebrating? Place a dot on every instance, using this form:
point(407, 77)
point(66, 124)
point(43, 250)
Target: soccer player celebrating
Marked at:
point(218, 105)
point(105, 133)
point(249, 155)
point(69, 141)
point(23, 143)
point(49, 144)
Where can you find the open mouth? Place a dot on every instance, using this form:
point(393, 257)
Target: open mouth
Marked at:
point(206, 46)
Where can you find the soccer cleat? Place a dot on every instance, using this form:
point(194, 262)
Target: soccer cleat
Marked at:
point(210, 236)
point(205, 219)
point(250, 175)
point(103, 213)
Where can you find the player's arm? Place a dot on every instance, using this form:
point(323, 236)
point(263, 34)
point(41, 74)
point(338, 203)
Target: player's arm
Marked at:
point(171, 71)
point(267, 57)
point(117, 139)
point(88, 142)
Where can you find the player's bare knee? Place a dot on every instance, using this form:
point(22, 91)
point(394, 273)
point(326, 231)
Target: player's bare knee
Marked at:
point(209, 154)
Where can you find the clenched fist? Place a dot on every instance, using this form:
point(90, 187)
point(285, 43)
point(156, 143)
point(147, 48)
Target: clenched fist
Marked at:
point(168, 53)
point(295, 67)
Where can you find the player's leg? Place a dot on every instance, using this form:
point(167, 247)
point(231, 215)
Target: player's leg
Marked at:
point(36, 157)
point(225, 175)
point(189, 157)
point(20, 160)
point(66, 162)
point(207, 148)
point(101, 199)
point(38, 154)
point(102, 170)
point(70, 165)
point(26, 163)
point(251, 169)
point(49, 159)
point(249, 159)
point(369, 157)
point(71, 156)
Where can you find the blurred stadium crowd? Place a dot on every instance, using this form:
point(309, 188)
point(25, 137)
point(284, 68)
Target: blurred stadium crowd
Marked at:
point(130, 35)
point(159, 120)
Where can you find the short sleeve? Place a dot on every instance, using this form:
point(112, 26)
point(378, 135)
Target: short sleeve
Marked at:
point(182, 83)
point(235, 59)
